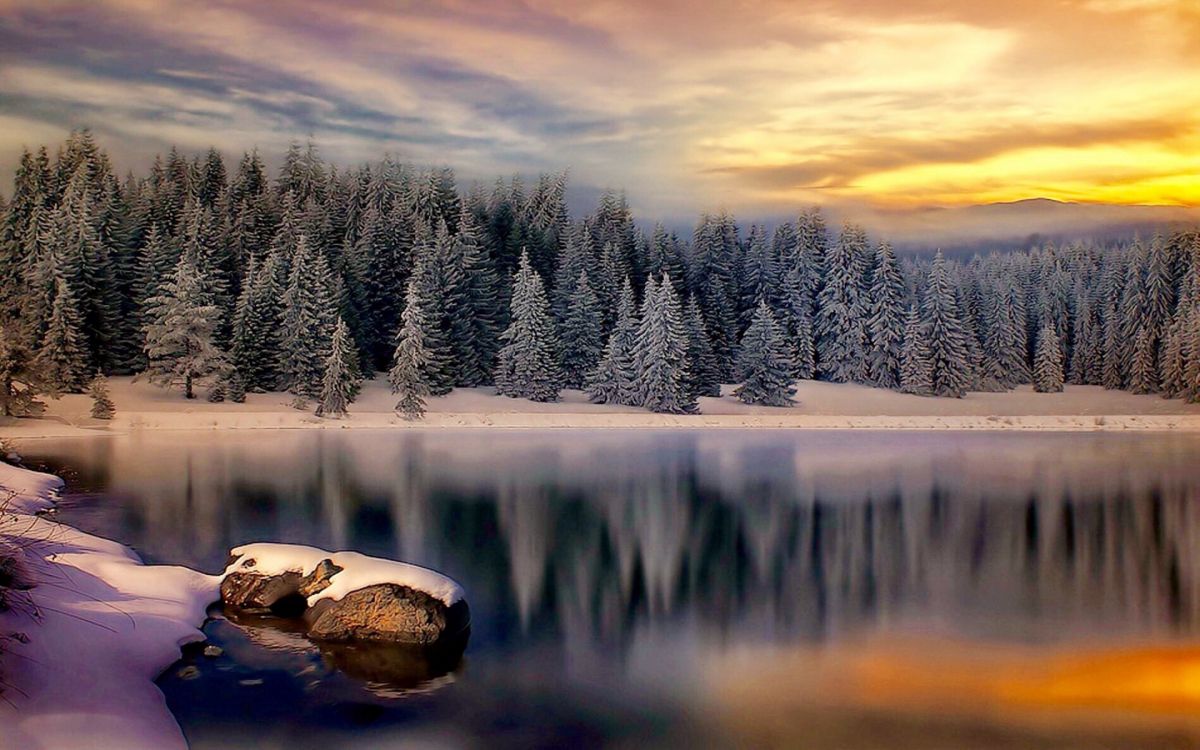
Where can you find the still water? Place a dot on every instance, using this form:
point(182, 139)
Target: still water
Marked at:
point(693, 588)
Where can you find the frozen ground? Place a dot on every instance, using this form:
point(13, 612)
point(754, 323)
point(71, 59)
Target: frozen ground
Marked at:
point(819, 406)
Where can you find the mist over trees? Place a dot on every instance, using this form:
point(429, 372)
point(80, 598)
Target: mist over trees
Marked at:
point(204, 271)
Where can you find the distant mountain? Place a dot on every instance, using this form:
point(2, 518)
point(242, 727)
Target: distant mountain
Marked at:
point(1021, 224)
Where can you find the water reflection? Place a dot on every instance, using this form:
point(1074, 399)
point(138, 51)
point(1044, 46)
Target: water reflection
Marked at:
point(778, 534)
point(685, 588)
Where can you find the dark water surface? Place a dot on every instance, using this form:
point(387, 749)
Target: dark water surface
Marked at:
point(693, 588)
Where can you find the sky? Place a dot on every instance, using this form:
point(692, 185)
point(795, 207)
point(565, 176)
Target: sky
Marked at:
point(890, 108)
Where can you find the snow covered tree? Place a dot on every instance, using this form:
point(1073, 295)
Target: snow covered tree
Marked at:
point(62, 361)
point(704, 374)
point(580, 335)
point(885, 319)
point(179, 336)
point(660, 355)
point(614, 381)
point(340, 384)
point(235, 386)
point(102, 404)
point(916, 375)
point(764, 363)
point(1005, 346)
point(309, 316)
point(18, 380)
point(796, 315)
point(949, 364)
point(254, 345)
point(528, 363)
point(841, 322)
point(1048, 361)
point(412, 361)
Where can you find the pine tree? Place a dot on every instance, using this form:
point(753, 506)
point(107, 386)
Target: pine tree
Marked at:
point(916, 375)
point(61, 359)
point(409, 376)
point(660, 356)
point(580, 335)
point(340, 383)
point(179, 336)
point(18, 379)
point(255, 342)
point(216, 392)
point(309, 317)
point(528, 366)
point(796, 314)
point(235, 386)
point(948, 356)
point(764, 363)
point(102, 405)
point(704, 376)
point(1048, 361)
point(841, 323)
point(614, 379)
point(885, 320)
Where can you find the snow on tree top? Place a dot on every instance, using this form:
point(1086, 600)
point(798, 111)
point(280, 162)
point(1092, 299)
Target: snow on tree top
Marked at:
point(358, 570)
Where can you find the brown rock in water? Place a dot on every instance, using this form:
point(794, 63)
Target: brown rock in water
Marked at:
point(255, 592)
point(391, 613)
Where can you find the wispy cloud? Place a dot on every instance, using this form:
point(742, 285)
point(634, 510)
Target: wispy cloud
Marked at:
point(754, 106)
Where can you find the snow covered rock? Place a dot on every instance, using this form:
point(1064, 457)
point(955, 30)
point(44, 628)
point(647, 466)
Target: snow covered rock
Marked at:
point(346, 596)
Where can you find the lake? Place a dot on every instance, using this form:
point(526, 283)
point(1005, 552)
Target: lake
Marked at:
point(692, 588)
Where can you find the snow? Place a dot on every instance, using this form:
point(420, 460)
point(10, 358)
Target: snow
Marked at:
point(31, 491)
point(358, 571)
point(106, 626)
point(819, 405)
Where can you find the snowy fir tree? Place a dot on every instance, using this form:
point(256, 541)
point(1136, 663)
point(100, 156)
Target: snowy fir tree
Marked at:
point(528, 362)
point(412, 361)
point(885, 319)
point(179, 337)
point(841, 323)
point(309, 316)
point(763, 362)
point(796, 314)
point(660, 355)
point(102, 404)
point(580, 334)
point(1047, 361)
point(235, 385)
point(916, 372)
point(704, 375)
point(614, 381)
point(340, 384)
point(61, 358)
point(949, 365)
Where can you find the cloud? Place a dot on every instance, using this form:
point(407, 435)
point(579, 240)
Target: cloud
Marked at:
point(751, 106)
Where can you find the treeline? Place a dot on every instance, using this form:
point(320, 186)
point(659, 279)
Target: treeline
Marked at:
point(308, 282)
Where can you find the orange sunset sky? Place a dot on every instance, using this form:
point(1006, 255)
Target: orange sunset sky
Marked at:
point(885, 104)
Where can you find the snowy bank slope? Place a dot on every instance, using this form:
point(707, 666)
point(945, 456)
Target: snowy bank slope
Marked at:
point(106, 625)
point(358, 571)
point(142, 406)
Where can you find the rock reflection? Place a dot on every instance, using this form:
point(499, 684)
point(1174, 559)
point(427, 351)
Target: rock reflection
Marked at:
point(385, 670)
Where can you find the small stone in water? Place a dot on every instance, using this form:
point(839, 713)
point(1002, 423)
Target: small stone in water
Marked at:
point(188, 673)
point(213, 652)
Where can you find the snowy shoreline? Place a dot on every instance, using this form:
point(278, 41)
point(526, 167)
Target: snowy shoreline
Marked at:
point(106, 626)
point(820, 406)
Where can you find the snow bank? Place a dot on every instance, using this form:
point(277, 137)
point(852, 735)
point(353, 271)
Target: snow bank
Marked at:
point(31, 491)
point(104, 625)
point(358, 571)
